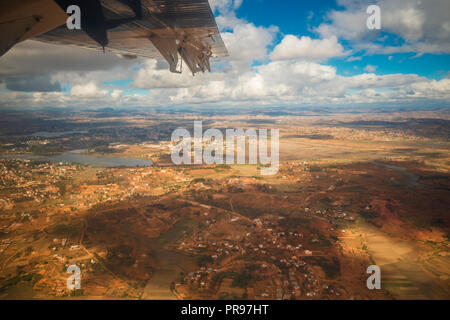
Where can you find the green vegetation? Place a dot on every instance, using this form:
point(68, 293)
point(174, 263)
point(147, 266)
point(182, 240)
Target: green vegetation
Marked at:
point(324, 242)
point(325, 203)
point(331, 267)
point(315, 169)
point(222, 167)
point(67, 229)
point(107, 150)
point(28, 250)
point(368, 214)
point(77, 293)
point(218, 277)
point(32, 278)
point(241, 280)
point(203, 260)
point(292, 223)
point(46, 149)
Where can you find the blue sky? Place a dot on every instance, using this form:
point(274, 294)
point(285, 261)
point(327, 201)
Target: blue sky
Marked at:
point(311, 53)
point(293, 17)
point(300, 17)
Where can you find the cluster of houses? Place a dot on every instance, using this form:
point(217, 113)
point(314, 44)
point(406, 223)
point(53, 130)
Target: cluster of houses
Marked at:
point(281, 257)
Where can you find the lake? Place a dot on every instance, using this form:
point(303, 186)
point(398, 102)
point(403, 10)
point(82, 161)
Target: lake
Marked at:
point(45, 134)
point(77, 157)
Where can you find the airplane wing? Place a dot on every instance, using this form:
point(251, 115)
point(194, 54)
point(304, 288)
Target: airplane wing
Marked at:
point(176, 30)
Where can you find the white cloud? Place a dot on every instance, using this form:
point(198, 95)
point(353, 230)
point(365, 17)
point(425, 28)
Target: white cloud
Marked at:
point(224, 6)
point(115, 94)
point(351, 59)
point(424, 25)
point(89, 90)
point(296, 82)
point(38, 66)
point(371, 68)
point(292, 47)
point(228, 21)
point(286, 82)
point(38, 58)
point(247, 42)
point(348, 25)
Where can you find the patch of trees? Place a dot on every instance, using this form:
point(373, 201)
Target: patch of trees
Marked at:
point(67, 229)
point(203, 260)
point(368, 214)
point(293, 223)
point(330, 266)
point(107, 150)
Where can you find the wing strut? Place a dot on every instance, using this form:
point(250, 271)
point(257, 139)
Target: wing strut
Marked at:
point(176, 49)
